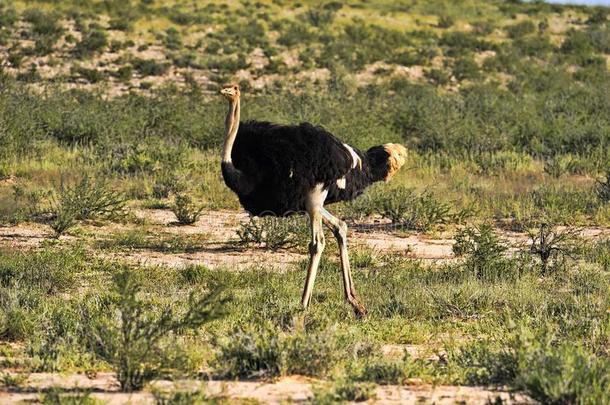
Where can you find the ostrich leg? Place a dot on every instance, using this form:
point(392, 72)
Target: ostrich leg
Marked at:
point(316, 247)
point(339, 229)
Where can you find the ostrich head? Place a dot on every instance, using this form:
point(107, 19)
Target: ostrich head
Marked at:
point(230, 91)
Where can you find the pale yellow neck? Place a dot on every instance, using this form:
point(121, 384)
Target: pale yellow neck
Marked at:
point(231, 126)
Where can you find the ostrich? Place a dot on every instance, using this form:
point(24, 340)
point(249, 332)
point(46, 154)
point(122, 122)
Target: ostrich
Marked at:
point(284, 169)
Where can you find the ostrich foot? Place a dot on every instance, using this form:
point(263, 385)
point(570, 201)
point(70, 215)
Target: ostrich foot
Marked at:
point(359, 309)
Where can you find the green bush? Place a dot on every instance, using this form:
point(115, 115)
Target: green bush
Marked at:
point(419, 212)
point(124, 73)
point(311, 354)
point(91, 199)
point(29, 281)
point(44, 24)
point(266, 352)
point(64, 219)
point(383, 372)
point(437, 76)
point(458, 42)
point(90, 75)
point(85, 200)
point(92, 42)
point(60, 397)
point(49, 272)
point(150, 67)
point(343, 391)
point(486, 363)
point(131, 337)
point(561, 373)
point(521, 29)
point(465, 68)
point(120, 24)
point(445, 21)
point(251, 354)
point(187, 212)
point(484, 251)
point(172, 39)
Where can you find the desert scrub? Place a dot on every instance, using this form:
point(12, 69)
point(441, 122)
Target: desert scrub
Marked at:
point(418, 212)
point(28, 281)
point(57, 396)
point(150, 67)
point(534, 361)
point(552, 246)
point(84, 200)
point(379, 370)
point(91, 199)
point(131, 337)
point(265, 352)
point(186, 211)
point(484, 252)
point(343, 390)
point(93, 41)
point(274, 232)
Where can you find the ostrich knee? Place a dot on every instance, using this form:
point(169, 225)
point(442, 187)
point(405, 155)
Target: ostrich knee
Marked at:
point(316, 246)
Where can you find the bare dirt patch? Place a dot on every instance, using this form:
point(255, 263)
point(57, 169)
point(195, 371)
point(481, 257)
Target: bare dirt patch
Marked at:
point(220, 246)
point(291, 389)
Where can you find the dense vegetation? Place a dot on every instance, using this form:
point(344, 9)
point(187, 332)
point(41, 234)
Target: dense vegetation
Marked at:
point(107, 107)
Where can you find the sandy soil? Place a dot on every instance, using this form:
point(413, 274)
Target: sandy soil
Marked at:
point(221, 248)
point(292, 389)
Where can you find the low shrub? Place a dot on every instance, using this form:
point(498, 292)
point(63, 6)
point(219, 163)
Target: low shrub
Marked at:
point(445, 21)
point(57, 396)
point(90, 75)
point(343, 390)
point(150, 67)
point(251, 354)
point(560, 373)
point(172, 39)
point(186, 211)
point(465, 68)
point(419, 212)
point(85, 200)
point(92, 42)
point(267, 352)
point(91, 199)
point(383, 372)
point(437, 76)
point(131, 337)
point(44, 24)
point(520, 29)
point(64, 219)
point(49, 272)
point(551, 245)
point(486, 363)
point(484, 251)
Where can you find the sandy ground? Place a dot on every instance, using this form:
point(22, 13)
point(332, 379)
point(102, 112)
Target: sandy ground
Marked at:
point(221, 248)
point(292, 389)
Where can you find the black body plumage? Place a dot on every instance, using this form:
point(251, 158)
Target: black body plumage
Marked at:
point(282, 164)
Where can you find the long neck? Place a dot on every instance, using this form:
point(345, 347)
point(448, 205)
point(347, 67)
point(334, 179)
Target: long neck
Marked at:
point(231, 126)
